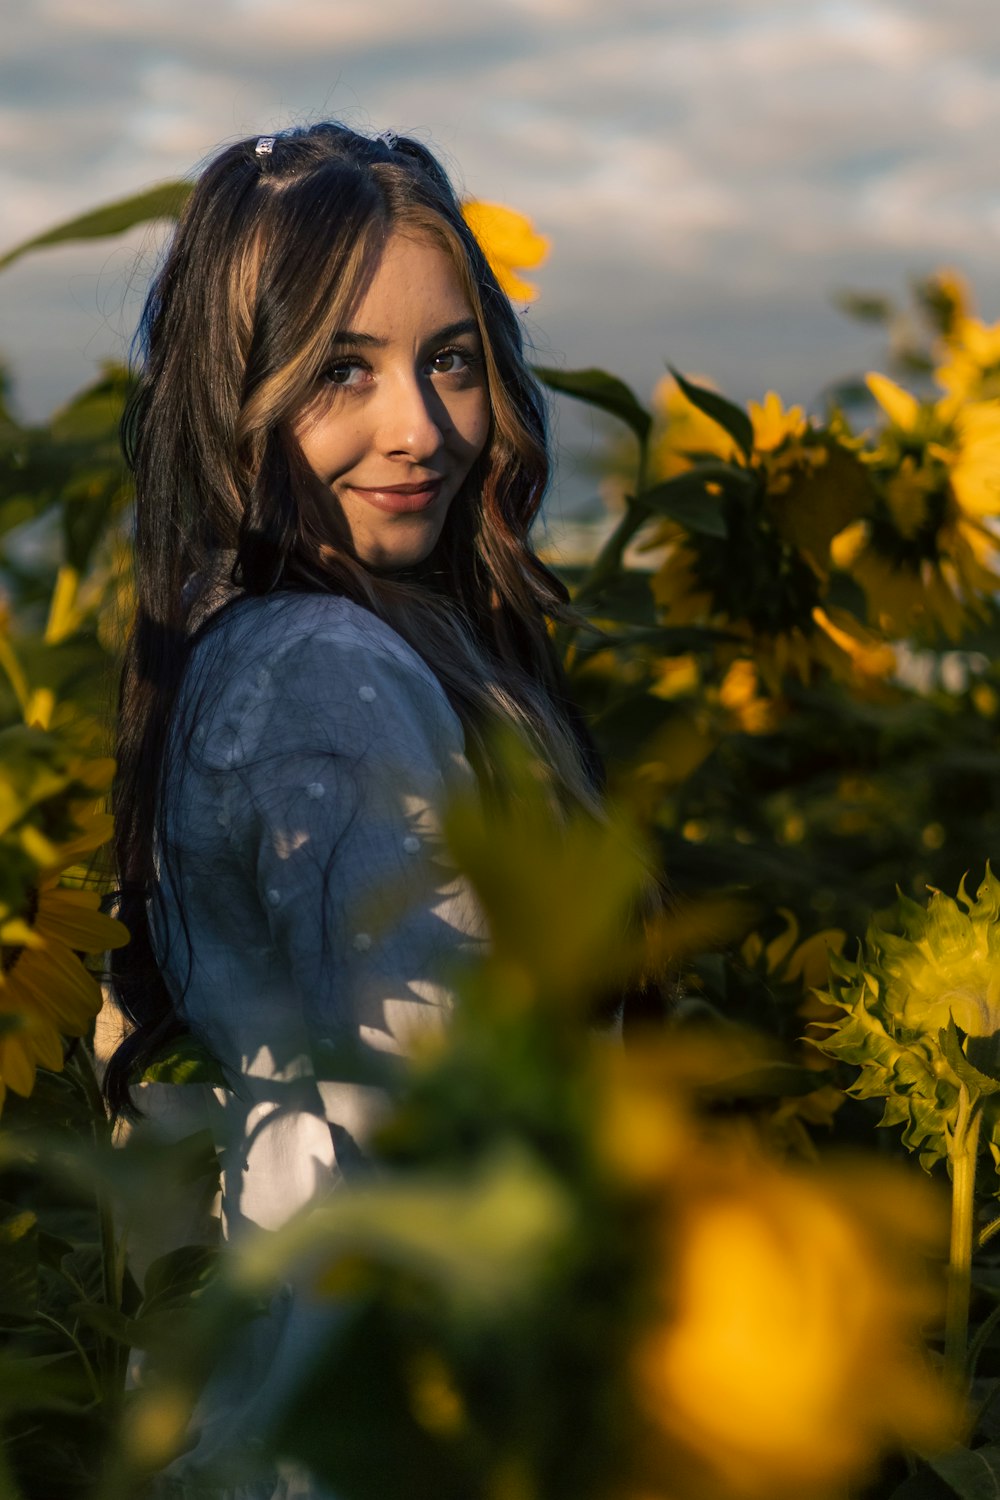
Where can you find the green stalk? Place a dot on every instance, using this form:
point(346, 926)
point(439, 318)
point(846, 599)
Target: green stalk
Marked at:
point(963, 1152)
point(608, 560)
point(115, 1356)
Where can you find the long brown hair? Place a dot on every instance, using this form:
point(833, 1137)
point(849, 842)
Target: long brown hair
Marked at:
point(272, 251)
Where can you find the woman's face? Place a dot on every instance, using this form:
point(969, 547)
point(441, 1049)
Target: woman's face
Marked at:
point(401, 412)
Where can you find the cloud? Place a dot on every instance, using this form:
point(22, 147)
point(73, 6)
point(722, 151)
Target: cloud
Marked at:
point(707, 169)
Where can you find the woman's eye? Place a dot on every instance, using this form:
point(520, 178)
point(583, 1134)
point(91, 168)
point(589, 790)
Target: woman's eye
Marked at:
point(452, 361)
point(345, 372)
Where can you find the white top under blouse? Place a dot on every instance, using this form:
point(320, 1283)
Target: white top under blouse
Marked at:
point(304, 895)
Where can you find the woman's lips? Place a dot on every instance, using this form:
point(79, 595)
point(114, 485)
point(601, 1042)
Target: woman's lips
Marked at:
point(401, 498)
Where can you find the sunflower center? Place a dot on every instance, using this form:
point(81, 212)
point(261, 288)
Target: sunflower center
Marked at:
point(922, 543)
point(11, 952)
point(755, 574)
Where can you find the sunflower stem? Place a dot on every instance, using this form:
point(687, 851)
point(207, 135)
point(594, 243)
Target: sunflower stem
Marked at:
point(114, 1355)
point(964, 1149)
point(608, 560)
point(986, 1234)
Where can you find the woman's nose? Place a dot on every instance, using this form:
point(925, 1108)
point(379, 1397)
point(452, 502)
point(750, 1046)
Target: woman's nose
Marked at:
point(412, 418)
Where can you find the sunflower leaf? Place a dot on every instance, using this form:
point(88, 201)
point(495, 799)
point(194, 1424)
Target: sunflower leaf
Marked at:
point(606, 392)
point(731, 418)
point(980, 1084)
point(687, 499)
point(164, 201)
point(185, 1060)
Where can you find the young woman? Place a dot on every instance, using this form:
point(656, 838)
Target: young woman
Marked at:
point(338, 452)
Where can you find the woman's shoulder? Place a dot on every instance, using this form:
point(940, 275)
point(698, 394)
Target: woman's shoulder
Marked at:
point(283, 665)
point(290, 632)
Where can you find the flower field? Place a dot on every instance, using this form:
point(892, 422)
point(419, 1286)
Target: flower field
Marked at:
point(691, 1268)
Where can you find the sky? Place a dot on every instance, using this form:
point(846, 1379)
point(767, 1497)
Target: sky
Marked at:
point(710, 172)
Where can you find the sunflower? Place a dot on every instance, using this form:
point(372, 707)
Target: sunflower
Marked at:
point(782, 1363)
point(767, 578)
point(926, 557)
point(797, 966)
point(45, 990)
point(971, 365)
point(894, 1007)
point(509, 241)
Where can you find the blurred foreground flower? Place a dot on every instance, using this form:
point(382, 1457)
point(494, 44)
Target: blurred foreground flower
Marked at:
point(786, 1359)
point(510, 243)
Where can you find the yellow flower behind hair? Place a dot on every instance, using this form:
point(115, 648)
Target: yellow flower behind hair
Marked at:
point(510, 243)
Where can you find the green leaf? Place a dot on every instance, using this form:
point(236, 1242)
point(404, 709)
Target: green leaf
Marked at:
point(625, 597)
point(111, 1323)
point(971, 1474)
point(732, 419)
point(36, 1382)
point(606, 392)
point(980, 1084)
point(865, 307)
point(185, 1060)
point(687, 499)
point(176, 1277)
point(924, 1485)
point(164, 201)
point(482, 1238)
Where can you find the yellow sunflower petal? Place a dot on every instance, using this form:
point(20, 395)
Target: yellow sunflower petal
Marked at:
point(73, 918)
point(848, 544)
point(902, 408)
point(17, 1064)
point(811, 960)
point(867, 653)
point(509, 241)
point(772, 424)
point(779, 948)
point(53, 983)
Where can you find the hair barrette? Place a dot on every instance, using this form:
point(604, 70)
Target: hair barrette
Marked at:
point(265, 145)
point(388, 139)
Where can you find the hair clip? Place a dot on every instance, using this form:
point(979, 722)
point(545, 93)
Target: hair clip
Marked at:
point(265, 145)
point(388, 139)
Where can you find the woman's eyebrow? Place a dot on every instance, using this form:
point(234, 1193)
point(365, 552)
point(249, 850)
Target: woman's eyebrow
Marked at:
point(349, 338)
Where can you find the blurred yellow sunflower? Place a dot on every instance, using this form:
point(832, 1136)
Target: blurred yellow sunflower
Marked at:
point(926, 557)
point(510, 243)
point(785, 1361)
point(45, 990)
point(971, 366)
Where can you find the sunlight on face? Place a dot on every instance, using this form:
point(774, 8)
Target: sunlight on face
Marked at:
point(402, 412)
